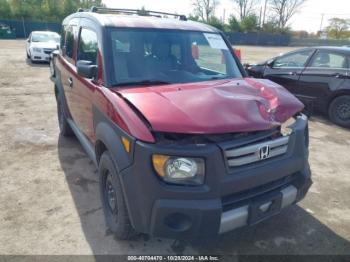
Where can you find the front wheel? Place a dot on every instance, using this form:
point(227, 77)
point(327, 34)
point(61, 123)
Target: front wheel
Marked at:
point(52, 68)
point(113, 202)
point(65, 129)
point(339, 110)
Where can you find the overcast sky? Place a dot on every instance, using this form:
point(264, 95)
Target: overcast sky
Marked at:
point(309, 17)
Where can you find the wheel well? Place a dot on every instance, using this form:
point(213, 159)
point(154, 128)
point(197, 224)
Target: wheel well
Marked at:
point(337, 94)
point(100, 148)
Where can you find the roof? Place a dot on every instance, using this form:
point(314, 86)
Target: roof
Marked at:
point(137, 21)
point(335, 48)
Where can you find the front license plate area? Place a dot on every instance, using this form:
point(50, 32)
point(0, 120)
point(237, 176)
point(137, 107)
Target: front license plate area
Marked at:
point(264, 208)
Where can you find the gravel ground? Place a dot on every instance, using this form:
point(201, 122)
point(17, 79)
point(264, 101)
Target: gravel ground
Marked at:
point(49, 191)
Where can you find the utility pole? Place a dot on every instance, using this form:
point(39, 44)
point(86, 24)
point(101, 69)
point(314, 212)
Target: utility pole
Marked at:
point(321, 22)
point(224, 16)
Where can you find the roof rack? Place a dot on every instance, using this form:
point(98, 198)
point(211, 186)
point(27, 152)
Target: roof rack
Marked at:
point(105, 10)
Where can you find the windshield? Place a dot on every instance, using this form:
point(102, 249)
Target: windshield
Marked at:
point(45, 37)
point(151, 56)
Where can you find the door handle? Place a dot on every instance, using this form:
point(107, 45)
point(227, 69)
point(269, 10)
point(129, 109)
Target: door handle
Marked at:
point(70, 82)
point(292, 73)
point(338, 75)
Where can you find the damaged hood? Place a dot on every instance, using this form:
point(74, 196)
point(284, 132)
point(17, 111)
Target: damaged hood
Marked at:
point(214, 107)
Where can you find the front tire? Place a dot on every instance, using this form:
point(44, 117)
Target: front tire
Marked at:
point(339, 110)
point(113, 202)
point(65, 129)
point(52, 68)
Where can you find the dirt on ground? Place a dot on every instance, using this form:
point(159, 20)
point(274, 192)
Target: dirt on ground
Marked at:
point(49, 188)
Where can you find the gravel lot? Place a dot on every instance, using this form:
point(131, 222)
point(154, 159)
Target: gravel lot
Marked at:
point(49, 192)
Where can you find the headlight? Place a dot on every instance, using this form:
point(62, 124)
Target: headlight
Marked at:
point(38, 50)
point(286, 130)
point(179, 170)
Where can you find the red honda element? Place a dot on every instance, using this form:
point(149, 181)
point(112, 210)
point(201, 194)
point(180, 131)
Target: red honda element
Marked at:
point(186, 145)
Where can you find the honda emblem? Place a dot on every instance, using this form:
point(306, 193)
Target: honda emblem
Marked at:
point(264, 152)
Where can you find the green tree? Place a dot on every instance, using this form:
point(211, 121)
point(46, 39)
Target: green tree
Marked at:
point(338, 27)
point(216, 22)
point(233, 24)
point(249, 23)
point(69, 7)
point(5, 9)
point(193, 17)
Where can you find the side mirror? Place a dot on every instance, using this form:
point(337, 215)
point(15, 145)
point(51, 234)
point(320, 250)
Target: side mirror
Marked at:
point(246, 65)
point(28, 40)
point(86, 69)
point(270, 63)
point(55, 53)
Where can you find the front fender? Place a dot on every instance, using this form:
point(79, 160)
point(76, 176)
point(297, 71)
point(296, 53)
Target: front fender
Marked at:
point(111, 136)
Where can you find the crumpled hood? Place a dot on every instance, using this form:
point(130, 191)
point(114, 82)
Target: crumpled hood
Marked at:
point(214, 107)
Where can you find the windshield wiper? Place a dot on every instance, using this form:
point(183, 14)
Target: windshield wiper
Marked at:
point(219, 77)
point(144, 83)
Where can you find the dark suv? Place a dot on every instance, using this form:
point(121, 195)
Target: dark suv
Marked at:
point(186, 146)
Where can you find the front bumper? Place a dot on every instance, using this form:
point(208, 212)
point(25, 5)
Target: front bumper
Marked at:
point(40, 56)
point(226, 199)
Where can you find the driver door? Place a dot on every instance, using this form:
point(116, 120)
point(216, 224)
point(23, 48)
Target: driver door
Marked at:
point(287, 69)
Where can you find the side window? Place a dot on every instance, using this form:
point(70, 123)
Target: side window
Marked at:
point(297, 59)
point(69, 46)
point(88, 47)
point(325, 59)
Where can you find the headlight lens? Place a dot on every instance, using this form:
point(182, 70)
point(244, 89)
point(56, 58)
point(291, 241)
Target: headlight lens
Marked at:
point(38, 50)
point(179, 170)
point(286, 129)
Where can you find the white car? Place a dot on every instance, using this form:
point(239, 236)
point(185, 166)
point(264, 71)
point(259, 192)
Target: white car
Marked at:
point(40, 45)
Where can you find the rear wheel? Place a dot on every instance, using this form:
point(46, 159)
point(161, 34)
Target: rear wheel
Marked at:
point(65, 129)
point(113, 202)
point(339, 110)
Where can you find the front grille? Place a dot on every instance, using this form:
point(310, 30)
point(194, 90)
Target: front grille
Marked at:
point(245, 197)
point(256, 152)
point(48, 51)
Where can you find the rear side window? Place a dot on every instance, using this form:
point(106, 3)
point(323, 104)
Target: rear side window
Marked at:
point(88, 47)
point(325, 59)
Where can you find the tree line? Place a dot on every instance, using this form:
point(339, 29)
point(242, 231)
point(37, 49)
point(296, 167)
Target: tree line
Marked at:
point(43, 10)
point(271, 16)
point(252, 15)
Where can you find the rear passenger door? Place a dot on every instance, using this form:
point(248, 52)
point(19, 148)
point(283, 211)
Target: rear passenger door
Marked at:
point(326, 72)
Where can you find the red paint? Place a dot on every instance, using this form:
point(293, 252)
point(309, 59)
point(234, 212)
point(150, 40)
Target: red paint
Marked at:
point(214, 107)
